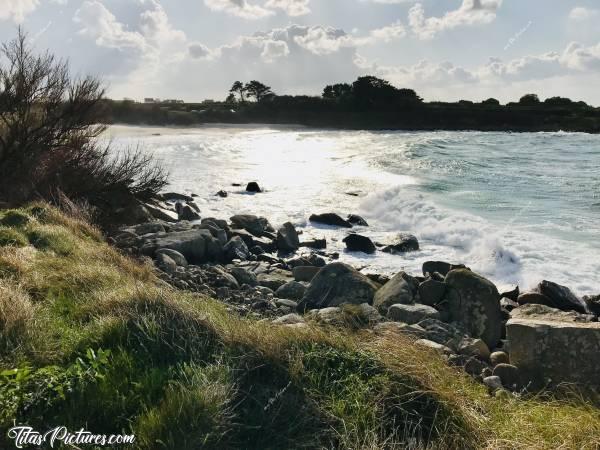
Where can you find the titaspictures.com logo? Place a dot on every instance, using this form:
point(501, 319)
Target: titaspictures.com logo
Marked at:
point(24, 436)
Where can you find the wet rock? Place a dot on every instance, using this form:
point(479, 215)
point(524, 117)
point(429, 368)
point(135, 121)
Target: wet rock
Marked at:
point(330, 219)
point(357, 220)
point(315, 243)
point(219, 223)
point(335, 284)
point(222, 194)
point(187, 213)
point(253, 224)
point(177, 257)
point(292, 290)
point(474, 303)
point(305, 273)
point(175, 196)
point(287, 238)
point(550, 346)
point(412, 314)
point(561, 297)
point(441, 267)
point(253, 187)
point(358, 243)
point(236, 249)
point(402, 289)
point(403, 243)
point(512, 295)
point(431, 292)
point(499, 358)
point(593, 303)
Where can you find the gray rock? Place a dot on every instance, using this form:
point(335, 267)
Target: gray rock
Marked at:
point(161, 213)
point(474, 366)
point(474, 347)
point(253, 224)
point(335, 284)
point(305, 273)
point(412, 314)
point(401, 289)
point(561, 297)
point(431, 292)
point(442, 333)
point(499, 358)
point(330, 219)
point(357, 220)
point(244, 276)
point(253, 187)
point(275, 279)
point(287, 238)
point(493, 383)
point(165, 263)
point(398, 327)
point(289, 319)
point(174, 196)
point(474, 303)
point(236, 249)
point(191, 244)
point(315, 243)
point(219, 223)
point(359, 243)
point(177, 257)
point(286, 303)
point(441, 267)
point(147, 228)
point(508, 374)
point(550, 346)
point(292, 290)
point(441, 349)
point(402, 244)
point(186, 212)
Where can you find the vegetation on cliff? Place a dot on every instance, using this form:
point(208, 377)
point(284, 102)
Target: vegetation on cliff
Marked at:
point(90, 338)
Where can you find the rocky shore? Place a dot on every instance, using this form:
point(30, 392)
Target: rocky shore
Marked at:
point(510, 341)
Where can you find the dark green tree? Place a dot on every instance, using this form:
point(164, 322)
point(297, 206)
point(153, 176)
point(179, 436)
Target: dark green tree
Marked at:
point(258, 90)
point(239, 89)
point(529, 99)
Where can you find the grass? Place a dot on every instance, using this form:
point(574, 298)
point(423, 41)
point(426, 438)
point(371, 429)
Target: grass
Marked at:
point(90, 338)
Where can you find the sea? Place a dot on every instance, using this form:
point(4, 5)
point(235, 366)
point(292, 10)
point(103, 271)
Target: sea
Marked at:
point(517, 208)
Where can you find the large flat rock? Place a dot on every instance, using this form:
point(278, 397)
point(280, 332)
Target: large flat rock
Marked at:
point(551, 347)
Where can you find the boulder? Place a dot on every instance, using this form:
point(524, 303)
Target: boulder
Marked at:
point(358, 243)
point(398, 327)
point(330, 219)
point(161, 213)
point(286, 303)
point(287, 238)
point(305, 273)
point(274, 279)
point(475, 366)
point(318, 244)
point(335, 284)
point(402, 244)
point(148, 228)
point(474, 303)
point(412, 314)
point(191, 244)
point(561, 297)
point(402, 289)
point(253, 187)
point(165, 263)
point(290, 319)
point(550, 346)
point(512, 295)
point(222, 194)
point(499, 358)
point(508, 374)
point(186, 212)
point(493, 383)
point(593, 303)
point(292, 290)
point(439, 348)
point(442, 333)
point(474, 347)
point(357, 220)
point(253, 224)
point(441, 267)
point(431, 292)
point(175, 196)
point(244, 276)
point(236, 249)
point(219, 223)
point(534, 298)
point(177, 257)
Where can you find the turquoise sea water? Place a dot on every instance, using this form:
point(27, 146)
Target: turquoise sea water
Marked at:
point(517, 207)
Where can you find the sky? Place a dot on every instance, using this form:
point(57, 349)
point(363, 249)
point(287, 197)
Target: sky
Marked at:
point(446, 50)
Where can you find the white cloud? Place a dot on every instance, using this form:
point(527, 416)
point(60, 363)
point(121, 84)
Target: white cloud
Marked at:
point(471, 12)
point(580, 13)
point(16, 10)
point(240, 8)
point(291, 7)
point(198, 50)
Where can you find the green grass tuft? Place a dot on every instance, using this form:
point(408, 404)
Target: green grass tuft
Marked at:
point(9, 237)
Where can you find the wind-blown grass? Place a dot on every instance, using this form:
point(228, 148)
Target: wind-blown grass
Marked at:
point(90, 338)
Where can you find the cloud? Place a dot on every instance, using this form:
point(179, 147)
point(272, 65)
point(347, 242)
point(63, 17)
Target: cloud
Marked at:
point(198, 50)
point(16, 10)
point(239, 8)
point(471, 12)
point(290, 7)
point(580, 13)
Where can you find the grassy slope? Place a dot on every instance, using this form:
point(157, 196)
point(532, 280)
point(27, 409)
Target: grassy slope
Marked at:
point(101, 344)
